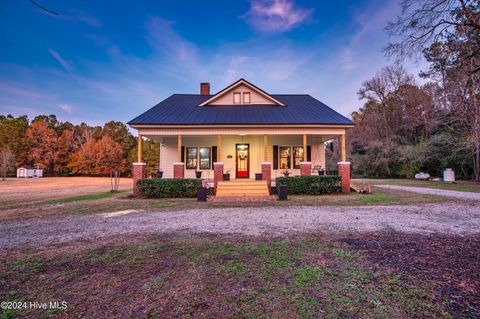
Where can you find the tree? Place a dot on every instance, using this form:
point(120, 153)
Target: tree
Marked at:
point(7, 161)
point(12, 135)
point(103, 157)
point(447, 33)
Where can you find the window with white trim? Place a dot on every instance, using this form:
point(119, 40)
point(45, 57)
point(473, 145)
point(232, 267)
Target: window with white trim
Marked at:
point(285, 157)
point(191, 162)
point(297, 156)
point(204, 157)
point(237, 98)
point(246, 98)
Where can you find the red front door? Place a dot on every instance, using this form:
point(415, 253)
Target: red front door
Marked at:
point(242, 161)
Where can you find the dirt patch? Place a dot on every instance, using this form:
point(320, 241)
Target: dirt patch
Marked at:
point(449, 263)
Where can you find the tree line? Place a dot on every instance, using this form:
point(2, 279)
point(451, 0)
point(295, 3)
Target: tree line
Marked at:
point(405, 127)
point(65, 149)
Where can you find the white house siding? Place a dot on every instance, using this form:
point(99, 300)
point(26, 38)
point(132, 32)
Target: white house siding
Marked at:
point(169, 151)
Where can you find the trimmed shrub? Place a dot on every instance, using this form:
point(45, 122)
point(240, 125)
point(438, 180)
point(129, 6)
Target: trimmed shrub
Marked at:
point(311, 185)
point(168, 188)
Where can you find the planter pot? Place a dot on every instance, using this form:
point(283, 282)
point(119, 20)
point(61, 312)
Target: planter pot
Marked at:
point(321, 172)
point(201, 194)
point(258, 176)
point(282, 192)
point(159, 174)
point(198, 174)
point(226, 177)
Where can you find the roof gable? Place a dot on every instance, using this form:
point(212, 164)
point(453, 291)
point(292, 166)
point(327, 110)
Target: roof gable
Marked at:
point(257, 95)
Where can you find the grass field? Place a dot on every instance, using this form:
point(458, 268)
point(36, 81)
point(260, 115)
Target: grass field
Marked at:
point(306, 276)
point(463, 186)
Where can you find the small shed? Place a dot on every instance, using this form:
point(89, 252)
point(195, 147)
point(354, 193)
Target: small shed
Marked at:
point(24, 172)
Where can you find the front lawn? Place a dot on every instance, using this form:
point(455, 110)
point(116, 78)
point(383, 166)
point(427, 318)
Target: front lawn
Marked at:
point(307, 276)
point(463, 186)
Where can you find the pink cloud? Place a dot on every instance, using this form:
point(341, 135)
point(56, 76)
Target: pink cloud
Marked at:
point(276, 15)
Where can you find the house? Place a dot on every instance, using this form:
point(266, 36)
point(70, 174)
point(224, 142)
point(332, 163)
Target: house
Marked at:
point(242, 130)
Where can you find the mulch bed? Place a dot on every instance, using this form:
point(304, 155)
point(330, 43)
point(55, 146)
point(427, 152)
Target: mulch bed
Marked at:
point(450, 263)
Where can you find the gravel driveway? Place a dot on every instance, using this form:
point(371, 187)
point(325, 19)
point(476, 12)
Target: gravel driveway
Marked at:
point(433, 191)
point(445, 218)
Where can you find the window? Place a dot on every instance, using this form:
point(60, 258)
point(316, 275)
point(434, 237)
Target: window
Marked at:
point(237, 98)
point(297, 156)
point(246, 98)
point(285, 157)
point(191, 158)
point(204, 157)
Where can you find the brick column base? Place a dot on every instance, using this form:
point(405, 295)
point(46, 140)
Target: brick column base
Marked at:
point(267, 173)
point(178, 170)
point(344, 173)
point(138, 173)
point(306, 168)
point(217, 173)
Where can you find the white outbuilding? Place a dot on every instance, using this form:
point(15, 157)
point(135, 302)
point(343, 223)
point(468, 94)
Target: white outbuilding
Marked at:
point(23, 172)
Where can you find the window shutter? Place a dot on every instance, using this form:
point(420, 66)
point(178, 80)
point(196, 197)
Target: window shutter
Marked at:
point(183, 154)
point(309, 153)
point(214, 155)
point(275, 156)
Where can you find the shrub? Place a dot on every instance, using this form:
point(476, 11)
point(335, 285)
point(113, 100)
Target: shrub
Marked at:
point(311, 185)
point(168, 188)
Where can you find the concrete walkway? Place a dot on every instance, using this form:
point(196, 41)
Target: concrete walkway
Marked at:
point(434, 191)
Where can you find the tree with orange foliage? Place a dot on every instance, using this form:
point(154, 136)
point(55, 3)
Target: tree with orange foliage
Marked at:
point(102, 157)
point(48, 149)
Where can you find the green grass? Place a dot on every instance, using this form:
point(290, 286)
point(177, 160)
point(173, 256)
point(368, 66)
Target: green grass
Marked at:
point(206, 275)
point(101, 195)
point(460, 186)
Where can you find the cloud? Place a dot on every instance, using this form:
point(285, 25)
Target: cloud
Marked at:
point(276, 15)
point(66, 107)
point(60, 60)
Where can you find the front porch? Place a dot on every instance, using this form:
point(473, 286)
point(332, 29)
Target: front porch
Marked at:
point(242, 153)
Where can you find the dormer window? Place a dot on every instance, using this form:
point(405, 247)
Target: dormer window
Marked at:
point(246, 98)
point(237, 98)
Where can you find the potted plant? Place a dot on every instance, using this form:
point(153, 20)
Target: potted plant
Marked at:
point(258, 176)
point(321, 171)
point(285, 173)
point(198, 174)
point(226, 176)
point(282, 190)
point(159, 174)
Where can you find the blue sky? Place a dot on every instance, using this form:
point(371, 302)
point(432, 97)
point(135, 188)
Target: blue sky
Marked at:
point(112, 60)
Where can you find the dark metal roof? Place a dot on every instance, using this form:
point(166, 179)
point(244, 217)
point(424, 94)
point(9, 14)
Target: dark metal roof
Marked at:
point(183, 109)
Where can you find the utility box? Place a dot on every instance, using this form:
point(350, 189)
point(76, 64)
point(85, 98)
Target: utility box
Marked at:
point(448, 175)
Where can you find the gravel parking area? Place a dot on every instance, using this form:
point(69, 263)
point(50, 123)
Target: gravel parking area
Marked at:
point(448, 218)
point(434, 191)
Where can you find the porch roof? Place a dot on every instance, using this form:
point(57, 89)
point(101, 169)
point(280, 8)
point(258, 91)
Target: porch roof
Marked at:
point(184, 109)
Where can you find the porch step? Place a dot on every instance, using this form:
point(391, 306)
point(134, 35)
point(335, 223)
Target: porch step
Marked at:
point(241, 188)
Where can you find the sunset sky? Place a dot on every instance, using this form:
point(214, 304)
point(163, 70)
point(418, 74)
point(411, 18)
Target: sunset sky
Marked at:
point(95, 61)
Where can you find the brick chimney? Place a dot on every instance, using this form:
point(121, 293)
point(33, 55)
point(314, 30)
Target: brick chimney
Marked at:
point(204, 88)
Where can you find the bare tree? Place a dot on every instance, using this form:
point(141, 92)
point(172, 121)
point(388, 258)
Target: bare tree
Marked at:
point(7, 160)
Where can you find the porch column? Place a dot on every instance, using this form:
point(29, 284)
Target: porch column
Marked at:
point(219, 148)
point(138, 171)
point(304, 147)
point(139, 148)
point(344, 148)
point(217, 173)
point(179, 148)
point(265, 147)
point(178, 170)
point(344, 173)
point(267, 173)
